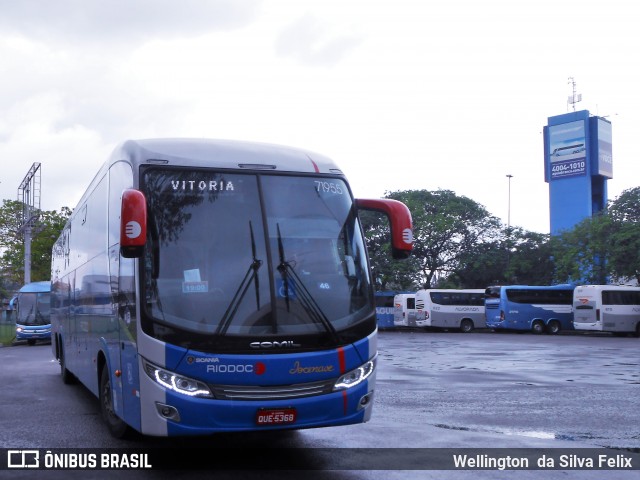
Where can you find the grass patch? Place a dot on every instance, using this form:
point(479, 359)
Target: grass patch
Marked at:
point(7, 333)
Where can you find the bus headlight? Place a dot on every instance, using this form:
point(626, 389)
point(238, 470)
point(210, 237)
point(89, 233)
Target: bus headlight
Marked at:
point(177, 383)
point(356, 376)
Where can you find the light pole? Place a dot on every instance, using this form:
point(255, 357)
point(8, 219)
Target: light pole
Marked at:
point(509, 176)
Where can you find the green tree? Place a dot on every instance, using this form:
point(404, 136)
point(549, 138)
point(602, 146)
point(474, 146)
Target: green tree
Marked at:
point(482, 267)
point(530, 259)
point(517, 256)
point(580, 254)
point(626, 207)
point(458, 244)
point(624, 248)
point(603, 248)
point(46, 230)
point(624, 257)
point(447, 230)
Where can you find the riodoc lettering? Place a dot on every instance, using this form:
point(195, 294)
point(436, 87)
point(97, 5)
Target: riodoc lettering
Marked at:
point(230, 368)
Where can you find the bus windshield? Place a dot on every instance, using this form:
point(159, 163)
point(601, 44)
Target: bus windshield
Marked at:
point(246, 255)
point(33, 308)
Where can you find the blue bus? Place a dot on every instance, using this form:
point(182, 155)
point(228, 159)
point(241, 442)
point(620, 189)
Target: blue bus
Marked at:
point(206, 286)
point(33, 317)
point(385, 308)
point(538, 309)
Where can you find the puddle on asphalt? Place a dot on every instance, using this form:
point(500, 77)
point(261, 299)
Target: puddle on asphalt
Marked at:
point(540, 434)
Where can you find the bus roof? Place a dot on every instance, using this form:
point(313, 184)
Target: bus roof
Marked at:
point(609, 287)
point(36, 287)
point(562, 286)
point(206, 152)
point(218, 153)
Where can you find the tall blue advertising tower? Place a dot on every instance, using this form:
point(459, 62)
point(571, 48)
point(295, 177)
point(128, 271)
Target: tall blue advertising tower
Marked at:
point(577, 165)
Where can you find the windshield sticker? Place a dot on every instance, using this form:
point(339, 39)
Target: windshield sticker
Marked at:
point(192, 282)
point(192, 275)
point(195, 287)
point(202, 185)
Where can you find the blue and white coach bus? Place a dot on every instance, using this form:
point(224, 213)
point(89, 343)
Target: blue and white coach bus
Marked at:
point(206, 286)
point(538, 309)
point(33, 319)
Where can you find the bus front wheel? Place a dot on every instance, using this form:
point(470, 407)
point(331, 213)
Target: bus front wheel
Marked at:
point(537, 327)
point(116, 426)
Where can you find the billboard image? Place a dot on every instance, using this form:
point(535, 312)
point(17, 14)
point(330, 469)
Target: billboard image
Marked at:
point(605, 157)
point(568, 150)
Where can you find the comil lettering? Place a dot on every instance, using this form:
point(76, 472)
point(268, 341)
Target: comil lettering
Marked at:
point(283, 344)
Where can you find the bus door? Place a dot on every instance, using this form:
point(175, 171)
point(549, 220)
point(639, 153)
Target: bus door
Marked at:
point(129, 384)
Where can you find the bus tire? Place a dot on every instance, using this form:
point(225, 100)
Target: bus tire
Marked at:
point(554, 327)
point(116, 426)
point(466, 325)
point(537, 327)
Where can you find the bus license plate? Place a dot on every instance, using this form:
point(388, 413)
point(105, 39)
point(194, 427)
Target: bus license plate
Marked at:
point(276, 416)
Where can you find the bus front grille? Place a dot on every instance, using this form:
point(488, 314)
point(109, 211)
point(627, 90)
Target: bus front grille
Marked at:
point(271, 392)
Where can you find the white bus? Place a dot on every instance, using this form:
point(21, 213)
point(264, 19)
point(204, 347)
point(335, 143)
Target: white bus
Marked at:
point(450, 309)
point(607, 308)
point(404, 310)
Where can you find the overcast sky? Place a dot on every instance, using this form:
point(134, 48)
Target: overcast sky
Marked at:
point(402, 94)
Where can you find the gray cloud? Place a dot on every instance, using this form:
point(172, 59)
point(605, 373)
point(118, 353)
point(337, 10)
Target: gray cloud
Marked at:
point(308, 41)
point(122, 21)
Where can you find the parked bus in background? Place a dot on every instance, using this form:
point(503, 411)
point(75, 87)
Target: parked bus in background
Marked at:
point(450, 309)
point(385, 308)
point(33, 314)
point(607, 308)
point(206, 286)
point(535, 308)
point(404, 310)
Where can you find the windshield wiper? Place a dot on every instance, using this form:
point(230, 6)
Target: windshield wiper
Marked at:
point(241, 291)
point(306, 298)
point(283, 268)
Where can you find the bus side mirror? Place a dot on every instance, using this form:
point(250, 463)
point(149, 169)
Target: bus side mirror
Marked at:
point(399, 220)
point(133, 223)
